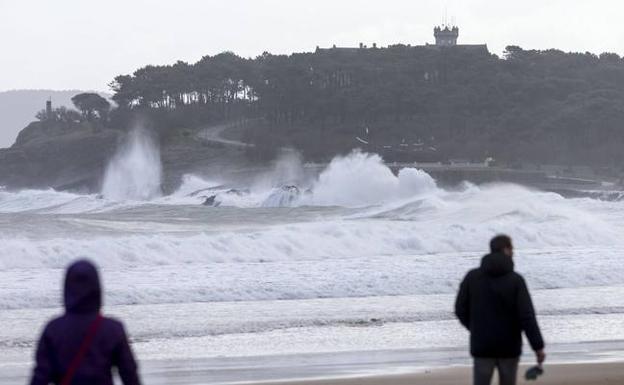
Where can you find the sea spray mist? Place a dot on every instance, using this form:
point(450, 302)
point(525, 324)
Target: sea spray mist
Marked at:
point(135, 171)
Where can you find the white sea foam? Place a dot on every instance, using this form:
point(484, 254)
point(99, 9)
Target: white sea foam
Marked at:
point(355, 230)
point(405, 214)
point(358, 180)
point(362, 179)
point(287, 169)
point(50, 201)
point(432, 223)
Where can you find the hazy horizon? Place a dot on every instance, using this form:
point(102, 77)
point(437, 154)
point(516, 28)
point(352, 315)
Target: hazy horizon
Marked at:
point(85, 49)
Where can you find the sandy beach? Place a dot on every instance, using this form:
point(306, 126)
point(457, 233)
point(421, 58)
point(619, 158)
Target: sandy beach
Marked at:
point(559, 374)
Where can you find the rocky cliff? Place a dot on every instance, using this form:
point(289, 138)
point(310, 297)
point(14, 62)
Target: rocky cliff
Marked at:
point(58, 155)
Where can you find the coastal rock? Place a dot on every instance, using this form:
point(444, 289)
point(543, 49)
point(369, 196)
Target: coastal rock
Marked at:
point(211, 201)
point(63, 158)
point(283, 196)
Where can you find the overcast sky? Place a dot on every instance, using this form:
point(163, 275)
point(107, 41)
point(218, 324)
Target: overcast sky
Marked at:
point(82, 44)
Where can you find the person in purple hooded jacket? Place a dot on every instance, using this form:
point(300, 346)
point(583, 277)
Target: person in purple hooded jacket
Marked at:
point(81, 347)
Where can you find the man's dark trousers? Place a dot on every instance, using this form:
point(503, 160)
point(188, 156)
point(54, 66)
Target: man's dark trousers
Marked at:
point(484, 369)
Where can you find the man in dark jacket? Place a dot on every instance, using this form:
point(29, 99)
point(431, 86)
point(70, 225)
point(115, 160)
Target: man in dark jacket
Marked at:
point(64, 337)
point(495, 306)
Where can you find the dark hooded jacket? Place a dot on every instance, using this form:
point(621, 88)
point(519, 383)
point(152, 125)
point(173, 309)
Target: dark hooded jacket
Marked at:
point(63, 336)
point(495, 306)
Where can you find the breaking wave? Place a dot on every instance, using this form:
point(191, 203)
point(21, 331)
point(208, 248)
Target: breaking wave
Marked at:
point(381, 214)
point(360, 180)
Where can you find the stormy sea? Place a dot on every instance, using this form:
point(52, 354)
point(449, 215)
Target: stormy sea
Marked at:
point(291, 273)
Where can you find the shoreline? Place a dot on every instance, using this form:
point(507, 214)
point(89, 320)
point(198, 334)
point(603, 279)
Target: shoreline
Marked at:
point(389, 367)
point(556, 374)
point(574, 364)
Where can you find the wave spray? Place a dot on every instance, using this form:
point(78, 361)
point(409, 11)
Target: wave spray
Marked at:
point(135, 172)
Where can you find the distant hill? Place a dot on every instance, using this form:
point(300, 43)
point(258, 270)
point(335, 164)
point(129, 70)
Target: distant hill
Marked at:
point(18, 108)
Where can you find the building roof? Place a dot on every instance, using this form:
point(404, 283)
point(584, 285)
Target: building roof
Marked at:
point(472, 47)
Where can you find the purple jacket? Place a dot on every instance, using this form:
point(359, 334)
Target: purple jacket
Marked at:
point(63, 336)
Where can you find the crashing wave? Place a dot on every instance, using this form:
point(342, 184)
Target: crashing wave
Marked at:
point(135, 171)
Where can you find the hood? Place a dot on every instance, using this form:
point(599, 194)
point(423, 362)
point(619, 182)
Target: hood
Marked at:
point(497, 264)
point(82, 288)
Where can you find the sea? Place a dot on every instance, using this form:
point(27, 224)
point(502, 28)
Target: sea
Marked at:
point(351, 270)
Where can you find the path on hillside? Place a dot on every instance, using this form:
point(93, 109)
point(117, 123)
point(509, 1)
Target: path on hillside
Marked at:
point(213, 134)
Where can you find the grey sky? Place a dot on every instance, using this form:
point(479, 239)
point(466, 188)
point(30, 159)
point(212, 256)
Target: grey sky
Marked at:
point(84, 44)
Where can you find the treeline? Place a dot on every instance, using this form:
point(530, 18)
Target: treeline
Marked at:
point(540, 106)
point(89, 106)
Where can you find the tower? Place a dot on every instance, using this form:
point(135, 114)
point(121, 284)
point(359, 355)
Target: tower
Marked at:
point(445, 36)
point(49, 108)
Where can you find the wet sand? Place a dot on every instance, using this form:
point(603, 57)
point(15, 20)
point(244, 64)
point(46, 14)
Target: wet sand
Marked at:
point(555, 374)
point(562, 374)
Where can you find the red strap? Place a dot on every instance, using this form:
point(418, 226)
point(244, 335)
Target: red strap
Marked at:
point(82, 352)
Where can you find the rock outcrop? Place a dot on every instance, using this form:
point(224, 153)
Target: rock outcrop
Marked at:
point(58, 155)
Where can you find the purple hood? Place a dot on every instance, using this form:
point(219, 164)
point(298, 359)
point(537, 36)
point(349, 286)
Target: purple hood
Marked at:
point(83, 293)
